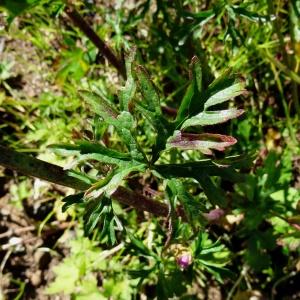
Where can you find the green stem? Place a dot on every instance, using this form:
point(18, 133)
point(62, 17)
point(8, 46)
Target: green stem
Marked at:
point(276, 29)
point(294, 76)
point(288, 65)
point(285, 105)
point(294, 24)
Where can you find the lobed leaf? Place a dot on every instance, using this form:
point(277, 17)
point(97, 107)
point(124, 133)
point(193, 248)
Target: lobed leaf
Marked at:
point(138, 245)
point(148, 90)
point(124, 126)
point(86, 147)
point(213, 193)
point(92, 214)
point(17, 7)
point(99, 105)
point(201, 168)
point(72, 199)
point(252, 16)
point(191, 207)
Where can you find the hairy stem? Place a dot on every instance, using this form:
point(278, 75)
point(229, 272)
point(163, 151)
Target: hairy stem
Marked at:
point(31, 166)
point(34, 167)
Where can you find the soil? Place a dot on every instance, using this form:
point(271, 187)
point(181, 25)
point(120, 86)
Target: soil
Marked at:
point(26, 256)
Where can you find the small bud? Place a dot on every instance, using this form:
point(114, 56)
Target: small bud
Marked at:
point(214, 215)
point(184, 260)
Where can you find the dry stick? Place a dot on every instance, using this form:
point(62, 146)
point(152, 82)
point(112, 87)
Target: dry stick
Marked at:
point(34, 167)
point(95, 39)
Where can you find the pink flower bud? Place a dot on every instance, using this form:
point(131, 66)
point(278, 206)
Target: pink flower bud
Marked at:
point(214, 215)
point(184, 260)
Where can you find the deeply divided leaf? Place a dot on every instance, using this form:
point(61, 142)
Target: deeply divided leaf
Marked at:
point(148, 90)
point(99, 105)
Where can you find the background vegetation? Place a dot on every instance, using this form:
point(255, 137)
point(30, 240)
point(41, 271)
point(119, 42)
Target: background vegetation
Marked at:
point(176, 203)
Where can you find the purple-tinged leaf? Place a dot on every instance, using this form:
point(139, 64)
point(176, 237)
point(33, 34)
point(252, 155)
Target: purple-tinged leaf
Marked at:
point(212, 117)
point(203, 142)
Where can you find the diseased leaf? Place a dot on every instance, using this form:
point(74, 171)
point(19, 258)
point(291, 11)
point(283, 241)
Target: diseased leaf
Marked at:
point(203, 142)
point(225, 95)
point(212, 117)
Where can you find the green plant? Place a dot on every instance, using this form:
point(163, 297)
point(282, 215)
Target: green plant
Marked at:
point(157, 180)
